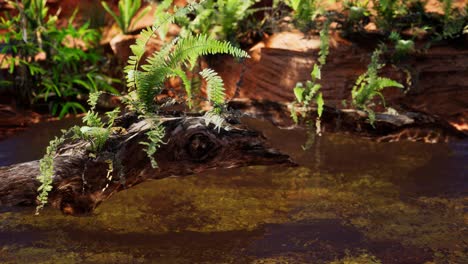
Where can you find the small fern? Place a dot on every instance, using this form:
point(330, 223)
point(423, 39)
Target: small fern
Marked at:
point(215, 118)
point(46, 168)
point(139, 48)
point(369, 85)
point(155, 139)
point(214, 87)
point(171, 60)
point(96, 132)
point(168, 62)
point(309, 93)
point(324, 42)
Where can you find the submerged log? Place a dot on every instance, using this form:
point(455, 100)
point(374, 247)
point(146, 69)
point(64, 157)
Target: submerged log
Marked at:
point(81, 181)
point(388, 127)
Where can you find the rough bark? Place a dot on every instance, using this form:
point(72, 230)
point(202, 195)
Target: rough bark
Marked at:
point(80, 182)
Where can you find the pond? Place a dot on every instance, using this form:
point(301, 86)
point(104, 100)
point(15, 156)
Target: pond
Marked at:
point(349, 199)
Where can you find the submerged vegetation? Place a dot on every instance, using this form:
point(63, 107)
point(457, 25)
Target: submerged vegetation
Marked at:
point(371, 202)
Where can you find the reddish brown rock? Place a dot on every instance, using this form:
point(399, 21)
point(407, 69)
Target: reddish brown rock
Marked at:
point(439, 77)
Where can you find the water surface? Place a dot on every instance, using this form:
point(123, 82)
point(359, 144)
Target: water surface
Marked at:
point(349, 200)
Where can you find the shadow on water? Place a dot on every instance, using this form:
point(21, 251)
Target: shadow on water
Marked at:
point(350, 200)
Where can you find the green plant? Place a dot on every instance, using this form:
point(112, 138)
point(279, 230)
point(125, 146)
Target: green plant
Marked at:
point(96, 132)
point(403, 47)
point(309, 93)
point(46, 168)
point(147, 81)
point(387, 12)
point(369, 85)
point(305, 12)
point(218, 19)
point(358, 16)
point(128, 10)
point(454, 21)
point(49, 63)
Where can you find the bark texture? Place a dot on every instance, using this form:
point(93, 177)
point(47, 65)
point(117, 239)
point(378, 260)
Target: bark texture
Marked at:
point(81, 181)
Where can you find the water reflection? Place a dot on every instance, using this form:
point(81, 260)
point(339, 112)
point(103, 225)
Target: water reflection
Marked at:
point(31, 144)
point(360, 201)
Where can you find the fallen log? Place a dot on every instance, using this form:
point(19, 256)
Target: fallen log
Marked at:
point(82, 181)
point(388, 127)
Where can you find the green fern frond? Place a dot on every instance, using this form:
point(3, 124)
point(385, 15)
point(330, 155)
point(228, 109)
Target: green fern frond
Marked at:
point(168, 62)
point(186, 82)
point(212, 117)
point(46, 168)
point(155, 140)
point(139, 47)
point(190, 48)
point(214, 87)
point(383, 82)
point(369, 85)
point(93, 99)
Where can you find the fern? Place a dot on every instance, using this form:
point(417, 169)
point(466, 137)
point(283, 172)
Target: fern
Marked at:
point(169, 62)
point(189, 49)
point(147, 81)
point(369, 85)
point(139, 48)
point(214, 87)
point(215, 118)
point(46, 168)
point(155, 139)
point(218, 19)
point(311, 91)
point(324, 42)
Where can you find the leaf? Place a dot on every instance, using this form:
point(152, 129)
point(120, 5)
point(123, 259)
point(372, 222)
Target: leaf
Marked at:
point(320, 103)
point(214, 86)
point(299, 92)
point(140, 16)
point(383, 82)
point(316, 74)
point(114, 15)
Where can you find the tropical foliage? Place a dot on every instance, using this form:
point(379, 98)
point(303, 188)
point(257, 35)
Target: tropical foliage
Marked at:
point(47, 63)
